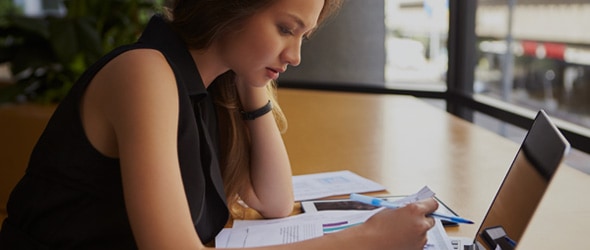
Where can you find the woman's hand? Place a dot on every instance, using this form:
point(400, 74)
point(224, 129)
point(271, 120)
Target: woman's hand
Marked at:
point(402, 228)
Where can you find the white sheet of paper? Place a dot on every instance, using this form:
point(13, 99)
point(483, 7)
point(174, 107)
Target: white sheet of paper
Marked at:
point(247, 233)
point(252, 233)
point(276, 234)
point(320, 185)
point(438, 238)
point(422, 194)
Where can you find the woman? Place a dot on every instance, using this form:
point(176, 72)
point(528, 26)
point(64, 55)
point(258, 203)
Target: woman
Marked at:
point(159, 138)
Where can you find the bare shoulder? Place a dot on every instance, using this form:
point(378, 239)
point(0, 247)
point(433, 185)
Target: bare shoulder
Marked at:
point(135, 92)
point(142, 82)
point(138, 77)
point(139, 66)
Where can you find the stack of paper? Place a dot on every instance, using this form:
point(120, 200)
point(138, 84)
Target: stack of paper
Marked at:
point(314, 186)
point(253, 233)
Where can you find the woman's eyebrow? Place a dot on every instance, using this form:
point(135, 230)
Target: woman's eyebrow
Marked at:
point(298, 20)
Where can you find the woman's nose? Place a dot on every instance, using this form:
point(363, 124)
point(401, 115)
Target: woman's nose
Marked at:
point(292, 54)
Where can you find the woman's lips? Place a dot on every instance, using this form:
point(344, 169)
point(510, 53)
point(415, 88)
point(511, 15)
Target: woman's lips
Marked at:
point(272, 73)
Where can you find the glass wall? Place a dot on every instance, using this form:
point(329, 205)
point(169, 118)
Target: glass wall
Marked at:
point(416, 44)
point(528, 55)
point(535, 54)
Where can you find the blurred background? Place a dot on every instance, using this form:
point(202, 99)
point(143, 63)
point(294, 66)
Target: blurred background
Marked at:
point(500, 60)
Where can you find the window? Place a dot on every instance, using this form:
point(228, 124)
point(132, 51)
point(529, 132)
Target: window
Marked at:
point(500, 59)
point(416, 44)
point(535, 54)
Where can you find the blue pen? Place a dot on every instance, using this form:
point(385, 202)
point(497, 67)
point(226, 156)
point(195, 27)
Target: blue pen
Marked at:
point(382, 203)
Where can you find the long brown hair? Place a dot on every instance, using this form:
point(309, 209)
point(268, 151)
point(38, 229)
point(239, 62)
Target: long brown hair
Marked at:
point(200, 23)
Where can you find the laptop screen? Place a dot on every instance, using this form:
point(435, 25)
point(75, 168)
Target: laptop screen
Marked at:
point(527, 179)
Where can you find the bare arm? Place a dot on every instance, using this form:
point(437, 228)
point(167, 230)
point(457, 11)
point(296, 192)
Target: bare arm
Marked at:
point(271, 191)
point(142, 109)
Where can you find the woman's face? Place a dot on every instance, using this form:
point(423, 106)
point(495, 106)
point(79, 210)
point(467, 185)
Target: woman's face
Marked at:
point(270, 40)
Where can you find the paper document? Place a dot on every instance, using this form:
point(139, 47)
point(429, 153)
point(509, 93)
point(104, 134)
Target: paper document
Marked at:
point(438, 238)
point(266, 235)
point(314, 186)
point(252, 233)
point(255, 233)
point(424, 193)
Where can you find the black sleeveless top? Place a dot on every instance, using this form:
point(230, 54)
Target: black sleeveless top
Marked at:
point(71, 196)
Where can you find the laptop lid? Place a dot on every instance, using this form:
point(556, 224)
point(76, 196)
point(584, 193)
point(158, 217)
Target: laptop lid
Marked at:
point(526, 181)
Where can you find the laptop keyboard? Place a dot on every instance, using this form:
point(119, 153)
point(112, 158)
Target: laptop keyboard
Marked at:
point(456, 243)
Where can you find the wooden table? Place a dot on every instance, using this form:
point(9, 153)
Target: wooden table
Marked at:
point(405, 143)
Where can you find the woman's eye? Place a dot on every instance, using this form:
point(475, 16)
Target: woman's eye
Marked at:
point(285, 30)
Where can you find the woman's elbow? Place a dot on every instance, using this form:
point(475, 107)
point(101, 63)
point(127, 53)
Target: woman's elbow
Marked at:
point(278, 211)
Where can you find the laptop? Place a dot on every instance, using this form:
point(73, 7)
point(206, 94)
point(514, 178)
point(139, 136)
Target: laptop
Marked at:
point(522, 189)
